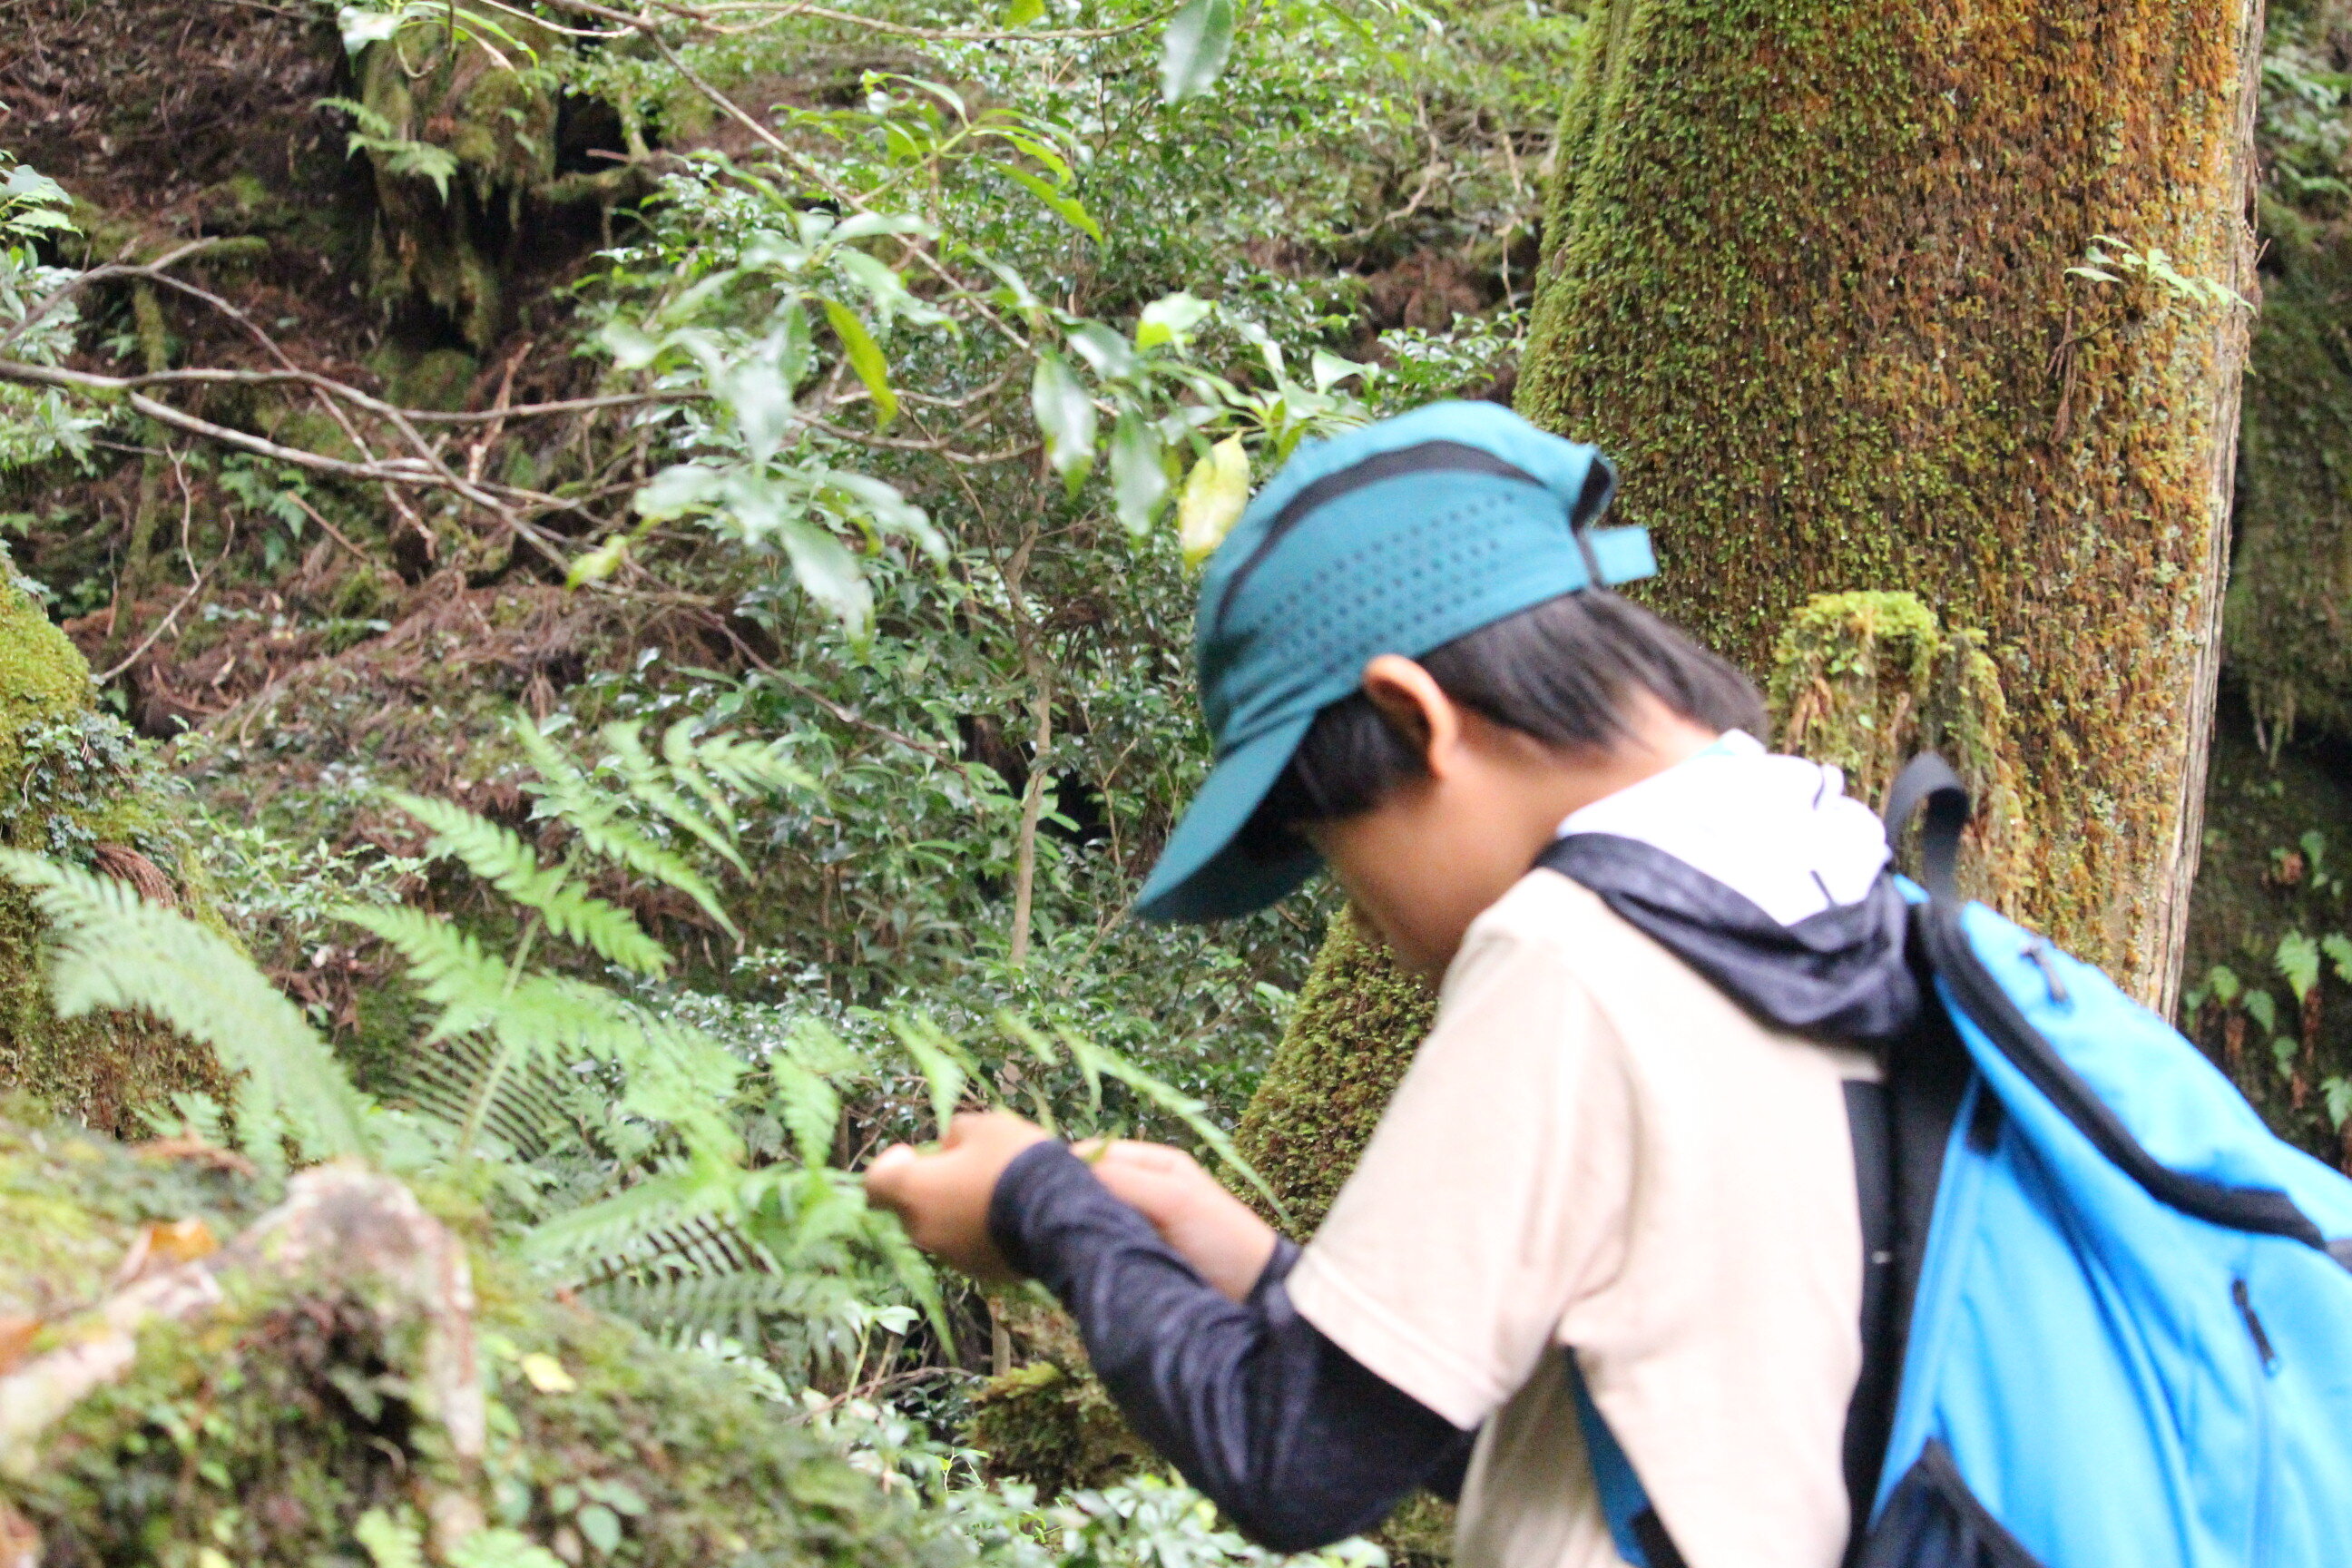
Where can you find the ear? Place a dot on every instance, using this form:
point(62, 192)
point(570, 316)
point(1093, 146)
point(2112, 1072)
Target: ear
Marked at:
point(1410, 698)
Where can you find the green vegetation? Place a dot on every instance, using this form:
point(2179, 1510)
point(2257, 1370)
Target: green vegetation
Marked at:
point(640, 563)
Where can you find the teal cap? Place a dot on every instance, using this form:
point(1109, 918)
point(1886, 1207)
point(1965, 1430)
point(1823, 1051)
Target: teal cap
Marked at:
point(1395, 538)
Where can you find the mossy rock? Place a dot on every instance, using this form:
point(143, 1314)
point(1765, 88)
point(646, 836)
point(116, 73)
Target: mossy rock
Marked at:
point(75, 784)
point(298, 1419)
point(1055, 1426)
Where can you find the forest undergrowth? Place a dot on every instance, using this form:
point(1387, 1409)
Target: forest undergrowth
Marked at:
point(643, 554)
point(654, 548)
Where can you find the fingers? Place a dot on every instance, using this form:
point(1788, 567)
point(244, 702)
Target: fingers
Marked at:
point(890, 1179)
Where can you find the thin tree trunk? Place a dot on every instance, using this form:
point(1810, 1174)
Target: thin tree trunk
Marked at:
point(1807, 276)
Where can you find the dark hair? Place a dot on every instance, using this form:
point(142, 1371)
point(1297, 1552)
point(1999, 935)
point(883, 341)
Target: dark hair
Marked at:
point(1560, 672)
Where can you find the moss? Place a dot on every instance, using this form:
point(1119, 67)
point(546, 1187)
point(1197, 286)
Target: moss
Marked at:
point(75, 784)
point(262, 1431)
point(1806, 275)
point(1352, 1034)
point(1055, 1426)
point(1865, 681)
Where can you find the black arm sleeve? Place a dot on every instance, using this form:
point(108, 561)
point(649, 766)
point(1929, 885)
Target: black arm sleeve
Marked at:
point(1293, 1438)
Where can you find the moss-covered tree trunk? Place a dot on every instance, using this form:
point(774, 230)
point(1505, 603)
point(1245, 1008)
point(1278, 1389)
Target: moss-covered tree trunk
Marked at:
point(75, 785)
point(1824, 275)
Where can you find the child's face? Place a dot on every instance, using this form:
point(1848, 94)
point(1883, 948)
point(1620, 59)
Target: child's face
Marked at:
point(1435, 852)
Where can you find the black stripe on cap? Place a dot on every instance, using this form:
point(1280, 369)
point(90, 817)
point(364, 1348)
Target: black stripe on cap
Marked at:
point(1454, 457)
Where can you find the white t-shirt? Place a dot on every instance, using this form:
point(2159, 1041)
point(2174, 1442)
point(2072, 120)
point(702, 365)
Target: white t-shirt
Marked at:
point(1594, 1152)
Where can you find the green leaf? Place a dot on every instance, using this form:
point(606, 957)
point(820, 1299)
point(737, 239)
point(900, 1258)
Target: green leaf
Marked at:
point(808, 1106)
point(677, 491)
point(498, 856)
point(1066, 207)
point(1216, 492)
point(2339, 948)
point(631, 349)
point(2335, 1093)
point(360, 28)
point(2263, 1010)
point(1193, 50)
point(1193, 1113)
point(390, 1542)
point(827, 572)
point(1021, 13)
point(1171, 319)
point(1329, 369)
point(1138, 478)
point(1066, 413)
point(2223, 982)
point(865, 358)
point(502, 1549)
point(600, 1527)
point(1105, 352)
point(2297, 963)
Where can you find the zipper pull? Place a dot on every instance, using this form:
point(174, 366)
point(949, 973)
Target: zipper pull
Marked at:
point(2244, 1298)
point(2038, 951)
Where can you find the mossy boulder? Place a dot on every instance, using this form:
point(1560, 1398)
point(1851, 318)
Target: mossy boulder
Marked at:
point(343, 1380)
point(1053, 1424)
point(75, 784)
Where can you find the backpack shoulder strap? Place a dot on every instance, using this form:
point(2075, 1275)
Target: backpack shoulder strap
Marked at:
point(1929, 780)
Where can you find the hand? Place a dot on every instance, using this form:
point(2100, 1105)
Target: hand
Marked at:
point(1216, 1232)
point(942, 1198)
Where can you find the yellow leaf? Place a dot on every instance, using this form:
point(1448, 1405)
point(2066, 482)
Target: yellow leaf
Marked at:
point(1215, 492)
point(546, 1374)
point(865, 356)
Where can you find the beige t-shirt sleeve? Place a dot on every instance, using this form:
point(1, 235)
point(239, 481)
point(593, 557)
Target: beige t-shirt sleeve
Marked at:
point(1491, 1192)
point(1595, 1151)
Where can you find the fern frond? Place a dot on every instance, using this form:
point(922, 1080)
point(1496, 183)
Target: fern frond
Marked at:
point(945, 1068)
point(447, 966)
point(500, 857)
point(808, 1106)
point(650, 782)
point(614, 1234)
point(755, 767)
point(679, 751)
point(734, 1304)
point(111, 949)
point(1194, 1114)
point(596, 819)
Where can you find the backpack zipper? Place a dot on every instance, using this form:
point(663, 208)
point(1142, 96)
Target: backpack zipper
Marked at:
point(2266, 1363)
point(2263, 1347)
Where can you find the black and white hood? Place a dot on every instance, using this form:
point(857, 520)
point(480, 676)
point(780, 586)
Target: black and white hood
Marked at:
point(1763, 875)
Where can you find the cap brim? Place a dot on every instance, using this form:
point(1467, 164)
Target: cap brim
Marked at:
point(1204, 874)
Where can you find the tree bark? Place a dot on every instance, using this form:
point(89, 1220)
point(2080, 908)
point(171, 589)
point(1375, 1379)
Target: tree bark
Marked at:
point(1808, 277)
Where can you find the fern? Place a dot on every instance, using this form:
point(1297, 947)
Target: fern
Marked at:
point(1101, 1061)
point(500, 857)
point(390, 1542)
point(111, 949)
point(942, 1063)
point(595, 819)
point(649, 782)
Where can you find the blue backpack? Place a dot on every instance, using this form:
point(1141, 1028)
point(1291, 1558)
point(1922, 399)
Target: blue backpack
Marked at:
point(2107, 1321)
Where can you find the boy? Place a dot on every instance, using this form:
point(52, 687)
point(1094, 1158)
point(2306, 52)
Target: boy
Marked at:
point(1611, 1213)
